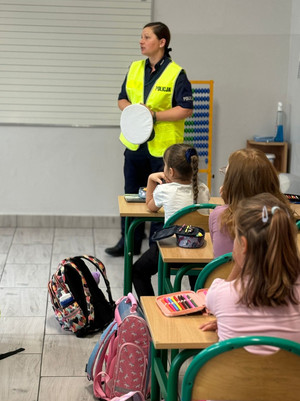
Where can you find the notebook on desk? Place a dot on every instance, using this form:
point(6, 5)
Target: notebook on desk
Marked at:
point(134, 198)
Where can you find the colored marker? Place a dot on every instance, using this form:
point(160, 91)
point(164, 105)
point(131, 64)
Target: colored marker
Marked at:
point(166, 303)
point(170, 304)
point(192, 301)
point(179, 302)
point(173, 304)
point(188, 301)
point(182, 227)
point(176, 303)
point(184, 302)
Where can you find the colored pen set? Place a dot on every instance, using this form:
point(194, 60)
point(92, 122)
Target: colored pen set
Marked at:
point(293, 198)
point(181, 303)
point(188, 230)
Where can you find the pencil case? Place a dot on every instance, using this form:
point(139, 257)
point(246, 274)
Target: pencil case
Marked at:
point(293, 198)
point(183, 302)
point(186, 236)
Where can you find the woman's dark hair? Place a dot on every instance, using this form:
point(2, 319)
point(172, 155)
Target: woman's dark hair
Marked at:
point(162, 32)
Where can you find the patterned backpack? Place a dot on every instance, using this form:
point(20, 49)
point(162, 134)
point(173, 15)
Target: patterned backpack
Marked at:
point(78, 303)
point(120, 361)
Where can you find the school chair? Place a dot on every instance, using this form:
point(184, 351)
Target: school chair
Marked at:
point(188, 215)
point(227, 371)
point(220, 267)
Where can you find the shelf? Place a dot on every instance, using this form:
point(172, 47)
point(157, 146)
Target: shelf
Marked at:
point(279, 149)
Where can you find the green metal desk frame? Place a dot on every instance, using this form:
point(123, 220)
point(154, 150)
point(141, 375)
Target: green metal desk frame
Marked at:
point(161, 383)
point(164, 283)
point(130, 225)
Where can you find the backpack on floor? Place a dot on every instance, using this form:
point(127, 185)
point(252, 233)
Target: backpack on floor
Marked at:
point(120, 361)
point(79, 304)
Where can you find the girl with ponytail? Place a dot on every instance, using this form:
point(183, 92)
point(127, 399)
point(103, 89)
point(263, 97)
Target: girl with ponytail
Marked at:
point(262, 294)
point(174, 188)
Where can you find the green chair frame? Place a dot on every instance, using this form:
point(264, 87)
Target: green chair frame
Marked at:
point(164, 272)
point(220, 267)
point(226, 371)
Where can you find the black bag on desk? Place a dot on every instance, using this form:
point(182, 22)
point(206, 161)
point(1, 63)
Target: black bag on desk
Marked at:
point(186, 236)
point(79, 304)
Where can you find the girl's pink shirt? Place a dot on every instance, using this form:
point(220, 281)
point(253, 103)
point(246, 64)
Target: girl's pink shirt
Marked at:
point(235, 319)
point(222, 243)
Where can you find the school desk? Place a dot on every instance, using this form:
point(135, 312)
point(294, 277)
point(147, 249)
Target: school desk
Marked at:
point(171, 253)
point(296, 207)
point(173, 333)
point(136, 213)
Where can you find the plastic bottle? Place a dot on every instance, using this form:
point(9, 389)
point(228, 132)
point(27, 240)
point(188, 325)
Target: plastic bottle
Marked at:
point(279, 124)
point(66, 299)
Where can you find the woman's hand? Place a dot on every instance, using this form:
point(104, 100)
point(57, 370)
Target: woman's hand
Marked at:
point(210, 326)
point(151, 111)
point(174, 114)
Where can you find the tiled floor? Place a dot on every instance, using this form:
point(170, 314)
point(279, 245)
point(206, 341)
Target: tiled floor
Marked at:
point(52, 367)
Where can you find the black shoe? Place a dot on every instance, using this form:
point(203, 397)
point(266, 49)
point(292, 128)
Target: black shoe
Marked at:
point(137, 251)
point(118, 250)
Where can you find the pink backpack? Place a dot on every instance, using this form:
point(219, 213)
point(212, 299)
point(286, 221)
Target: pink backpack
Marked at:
point(120, 362)
point(131, 396)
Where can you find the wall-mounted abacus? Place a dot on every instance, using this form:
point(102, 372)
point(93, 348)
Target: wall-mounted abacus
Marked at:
point(198, 127)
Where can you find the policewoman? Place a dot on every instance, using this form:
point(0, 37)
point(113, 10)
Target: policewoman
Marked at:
point(162, 85)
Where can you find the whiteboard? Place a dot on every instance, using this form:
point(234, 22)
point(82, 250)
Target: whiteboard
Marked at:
point(63, 61)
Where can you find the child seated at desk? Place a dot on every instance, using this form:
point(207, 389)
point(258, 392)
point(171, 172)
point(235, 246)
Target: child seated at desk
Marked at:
point(174, 188)
point(262, 294)
point(249, 172)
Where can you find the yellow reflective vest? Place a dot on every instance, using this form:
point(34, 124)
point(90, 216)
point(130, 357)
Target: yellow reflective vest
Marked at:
point(160, 97)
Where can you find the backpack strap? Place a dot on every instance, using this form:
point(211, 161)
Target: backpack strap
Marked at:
point(101, 268)
point(86, 291)
point(100, 380)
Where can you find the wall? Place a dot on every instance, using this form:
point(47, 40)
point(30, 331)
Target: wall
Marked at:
point(243, 46)
point(60, 171)
point(294, 89)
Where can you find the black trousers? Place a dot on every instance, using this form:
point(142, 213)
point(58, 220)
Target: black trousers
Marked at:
point(138, 165)
point(146, 267)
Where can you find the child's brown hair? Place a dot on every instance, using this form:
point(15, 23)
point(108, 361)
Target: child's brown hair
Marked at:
point(249, 173)
point(272, 266)
point(184, 160)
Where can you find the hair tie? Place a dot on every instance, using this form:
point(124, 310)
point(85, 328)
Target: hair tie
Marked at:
point(167, 51)
point(264, 215)
point(274, 208)
point(189, 153)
